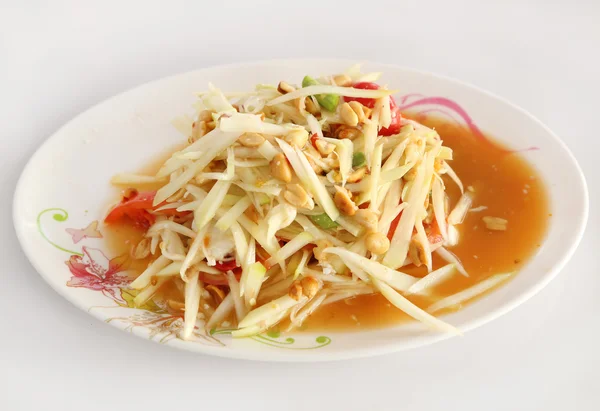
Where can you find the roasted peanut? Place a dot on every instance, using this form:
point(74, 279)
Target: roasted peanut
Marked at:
point(205, 115)
point(296, 195)
point(311, 107)
point(347, 132)
point(295, 290)
point(343, 202)
point(366, 218)
point(342, 80)
point(359, 110)
point(300, 104)
point(280, 168)
point(310, 286)
point(199, 128)
point(318, 250)
point(337, 177)
point(324, 147)
point(347, 115)
point(251, 139)
point(285, 88)
point(332, 161)
point(377, 243)
point(357, 175)
point(416, 253)
point(297, 138)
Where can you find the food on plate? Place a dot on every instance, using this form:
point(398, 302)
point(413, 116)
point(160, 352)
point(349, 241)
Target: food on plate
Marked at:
point(298, 201)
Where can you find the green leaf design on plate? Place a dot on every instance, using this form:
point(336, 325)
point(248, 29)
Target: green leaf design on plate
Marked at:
point(272, 336)
point(61, 215)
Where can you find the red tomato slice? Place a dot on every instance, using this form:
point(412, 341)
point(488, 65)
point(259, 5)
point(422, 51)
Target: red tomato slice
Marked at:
point(395, 126)
point(434, 234)
point(226, 265)
point(135, 208)
point(364, 85)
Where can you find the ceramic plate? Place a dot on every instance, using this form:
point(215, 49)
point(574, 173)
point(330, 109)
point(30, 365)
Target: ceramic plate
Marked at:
point(63, 193)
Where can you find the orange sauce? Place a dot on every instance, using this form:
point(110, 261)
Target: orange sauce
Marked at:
point(503, 182)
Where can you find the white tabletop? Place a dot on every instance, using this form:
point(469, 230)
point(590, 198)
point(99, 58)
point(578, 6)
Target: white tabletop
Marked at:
point(59, 58)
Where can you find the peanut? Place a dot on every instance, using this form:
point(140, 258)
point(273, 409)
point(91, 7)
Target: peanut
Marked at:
point(324, 147)
point(342, 80)
point(307, 286)
point(297, 137)
point(357, 175)
point(296, 195)
point(310, 286)
point(311, 107)
point(377, 243)
point(348, 115)
point(318, 250)
point(347, 132)
point(205, 115)
point(359, 110)
point(318, 170)
point(343, 202)
point(280, 168)
point(285, 88)
point(295, 290)
point(251, 140)
point(416, 253)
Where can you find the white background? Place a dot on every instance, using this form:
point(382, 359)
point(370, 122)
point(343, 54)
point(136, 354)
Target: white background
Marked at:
point(59, 58)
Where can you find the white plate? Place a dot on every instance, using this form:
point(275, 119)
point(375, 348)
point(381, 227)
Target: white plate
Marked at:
point(64, 188)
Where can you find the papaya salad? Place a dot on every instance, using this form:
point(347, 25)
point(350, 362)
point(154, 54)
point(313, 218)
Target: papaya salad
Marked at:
point(291, 197)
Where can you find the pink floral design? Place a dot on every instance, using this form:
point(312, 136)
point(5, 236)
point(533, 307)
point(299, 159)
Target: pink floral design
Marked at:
point(423, 105)
point(91, 231)
point(95, 271)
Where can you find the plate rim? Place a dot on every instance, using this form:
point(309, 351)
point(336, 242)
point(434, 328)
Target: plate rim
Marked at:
point(348, 353)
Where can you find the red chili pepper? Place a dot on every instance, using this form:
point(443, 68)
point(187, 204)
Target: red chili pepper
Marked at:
point(393, 226)
point(313, 139)
point(137, 208)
